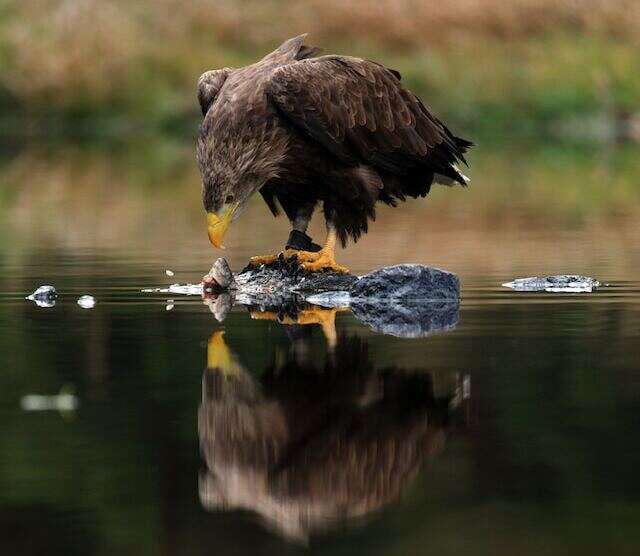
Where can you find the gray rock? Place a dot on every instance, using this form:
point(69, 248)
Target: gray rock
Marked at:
point(87, 302)
point(44, 296)
point(407, 282)
point(565, 283)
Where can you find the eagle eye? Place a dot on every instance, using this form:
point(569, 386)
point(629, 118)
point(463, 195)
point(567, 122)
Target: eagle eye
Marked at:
point(228, 199)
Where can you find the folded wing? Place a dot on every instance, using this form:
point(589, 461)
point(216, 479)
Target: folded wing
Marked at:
point(359, 111)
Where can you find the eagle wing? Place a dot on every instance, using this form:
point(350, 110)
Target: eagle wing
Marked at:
point(209, 85)
point(360, 112)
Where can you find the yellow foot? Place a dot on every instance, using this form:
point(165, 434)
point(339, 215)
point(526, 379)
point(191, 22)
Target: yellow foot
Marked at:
point(320, 260)
point(263, 259)
point(273, 259)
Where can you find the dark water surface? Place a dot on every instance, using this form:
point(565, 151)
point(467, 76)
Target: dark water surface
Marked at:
point(514, 433)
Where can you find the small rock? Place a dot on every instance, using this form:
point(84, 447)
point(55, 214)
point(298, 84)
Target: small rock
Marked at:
point(169, 272)
point(170, 305)
point(44, 296)
point(61, 402)
point(87, 302)
point(564, 283)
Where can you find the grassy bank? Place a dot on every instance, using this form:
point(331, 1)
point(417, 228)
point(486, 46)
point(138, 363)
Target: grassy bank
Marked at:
point(534, 66)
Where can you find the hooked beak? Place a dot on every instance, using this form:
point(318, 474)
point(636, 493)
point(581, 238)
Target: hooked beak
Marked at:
point(217, 224)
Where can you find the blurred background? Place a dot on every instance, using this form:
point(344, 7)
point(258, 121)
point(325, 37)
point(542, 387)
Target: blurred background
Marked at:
point(550, 67)
point(100, 193)
point(98, 116)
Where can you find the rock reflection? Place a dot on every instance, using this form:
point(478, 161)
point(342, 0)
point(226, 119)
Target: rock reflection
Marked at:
point(311, 444)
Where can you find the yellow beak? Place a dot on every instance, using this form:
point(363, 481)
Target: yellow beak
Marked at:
point(217, 225)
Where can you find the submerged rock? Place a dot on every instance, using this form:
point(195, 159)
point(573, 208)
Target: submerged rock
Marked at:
point(87, 301)
point(44, 296)
point(180, 289)
point(66, 400)
point(566, 283)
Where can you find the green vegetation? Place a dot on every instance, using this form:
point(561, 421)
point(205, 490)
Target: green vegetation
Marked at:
point(99, 68)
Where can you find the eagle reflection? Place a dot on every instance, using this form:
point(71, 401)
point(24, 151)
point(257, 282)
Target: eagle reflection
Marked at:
point(311, 444)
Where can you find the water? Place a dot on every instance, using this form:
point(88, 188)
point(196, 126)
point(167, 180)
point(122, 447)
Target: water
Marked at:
point(514, 433)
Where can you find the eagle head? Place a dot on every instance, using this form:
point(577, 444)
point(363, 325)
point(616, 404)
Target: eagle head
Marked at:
point(234, 164)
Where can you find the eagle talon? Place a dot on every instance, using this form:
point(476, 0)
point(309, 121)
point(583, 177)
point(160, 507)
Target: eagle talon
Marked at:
point(267, 260)
point(323, 260)
point(281, 258)
point(325, 264)
point(308, 261)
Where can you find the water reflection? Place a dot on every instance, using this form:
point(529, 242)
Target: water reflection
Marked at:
point(401, 318)
point(315, 442)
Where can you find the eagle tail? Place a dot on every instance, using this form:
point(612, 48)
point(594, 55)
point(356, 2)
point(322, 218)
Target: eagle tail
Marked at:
point(450, 181)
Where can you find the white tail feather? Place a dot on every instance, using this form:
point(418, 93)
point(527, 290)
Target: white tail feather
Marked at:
point(450, 182)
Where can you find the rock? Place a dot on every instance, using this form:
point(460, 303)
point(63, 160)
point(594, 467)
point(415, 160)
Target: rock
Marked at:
point(407, 282)
point(87, 302)
point(66, 400)
point(565, 283)
point(44, 296)
point(406, 319)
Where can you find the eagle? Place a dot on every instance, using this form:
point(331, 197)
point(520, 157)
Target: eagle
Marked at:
point(305, 129)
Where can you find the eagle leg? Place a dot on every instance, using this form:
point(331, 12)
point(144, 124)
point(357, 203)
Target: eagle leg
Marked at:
point(298, 241)
point(325, 259)
point(302, 242)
